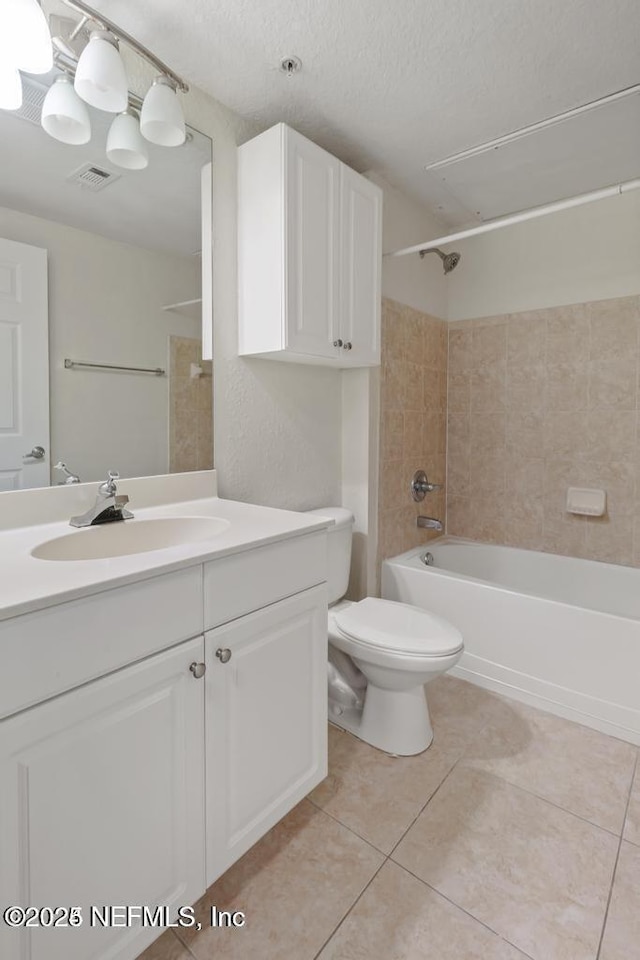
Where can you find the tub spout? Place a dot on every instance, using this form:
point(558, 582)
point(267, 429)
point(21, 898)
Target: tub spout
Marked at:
point(429, 523)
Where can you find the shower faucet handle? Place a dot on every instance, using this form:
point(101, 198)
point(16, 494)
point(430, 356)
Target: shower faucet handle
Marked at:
point(421, 486)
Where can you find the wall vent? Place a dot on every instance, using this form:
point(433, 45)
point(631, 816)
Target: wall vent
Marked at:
point(92, 177)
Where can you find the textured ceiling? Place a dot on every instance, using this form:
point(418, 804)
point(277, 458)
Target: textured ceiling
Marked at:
point(395, 84)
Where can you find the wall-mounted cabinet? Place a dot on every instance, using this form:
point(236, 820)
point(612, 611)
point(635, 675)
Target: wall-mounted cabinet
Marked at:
point(309, 254)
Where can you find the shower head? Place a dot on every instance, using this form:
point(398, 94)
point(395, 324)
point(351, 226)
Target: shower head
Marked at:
point(449, 260)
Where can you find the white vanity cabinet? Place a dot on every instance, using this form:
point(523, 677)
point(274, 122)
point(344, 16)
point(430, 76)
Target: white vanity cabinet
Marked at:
point(266, 687)
point(309, 254)
point(102, 802)
point(151, 733)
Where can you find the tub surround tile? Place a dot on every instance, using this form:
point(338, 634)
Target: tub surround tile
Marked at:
point(567, 383)
point(535, 874)
point(294, 886)
point(399, 918)
point(632, 823)
point(413, 427)
point(579, 769)
point(622, 931)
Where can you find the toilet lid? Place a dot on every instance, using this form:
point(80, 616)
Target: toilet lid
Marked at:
point(398, 627)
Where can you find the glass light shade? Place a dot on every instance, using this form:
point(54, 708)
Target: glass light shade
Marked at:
point(125, 146)
point(64, 115)
point(10, 87)
point(161, 117)
point(100, 75)
point(26, 40)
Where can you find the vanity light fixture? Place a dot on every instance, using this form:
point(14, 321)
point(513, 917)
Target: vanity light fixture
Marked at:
point(161, 117)
point(26, 41)
point(125, 146)
point(10, 87)
point(64, 115)
point(101, 80)
point(88, 52)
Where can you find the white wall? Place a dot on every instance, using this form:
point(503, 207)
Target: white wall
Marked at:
point(105, 306)
point(587, 253)
point(418, 283)
point(277, 426)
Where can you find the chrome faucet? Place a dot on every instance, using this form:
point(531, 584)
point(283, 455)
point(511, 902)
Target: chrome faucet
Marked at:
point(109, 505)
point(70, 477)
point(429, 523)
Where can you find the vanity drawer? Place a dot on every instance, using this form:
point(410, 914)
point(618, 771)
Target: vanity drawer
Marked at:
point(253, 579)
point(53, 650)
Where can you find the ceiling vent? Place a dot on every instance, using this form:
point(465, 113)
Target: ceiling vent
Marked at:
point(92, 177)
point(33, 94)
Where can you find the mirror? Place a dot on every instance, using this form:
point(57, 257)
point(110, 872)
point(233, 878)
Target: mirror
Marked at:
point(100, 305)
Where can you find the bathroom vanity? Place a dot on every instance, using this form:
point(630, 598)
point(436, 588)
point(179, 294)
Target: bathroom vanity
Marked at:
point(160, 710)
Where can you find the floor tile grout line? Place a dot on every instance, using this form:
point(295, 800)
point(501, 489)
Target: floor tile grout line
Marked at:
point(615, 866)
point(351, 908)
point(552, 803)
point(184, 945)
point(347, 827)
point(458, 907)
point(437, 789)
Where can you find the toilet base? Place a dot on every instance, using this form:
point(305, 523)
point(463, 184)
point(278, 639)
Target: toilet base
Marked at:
point(394, 721)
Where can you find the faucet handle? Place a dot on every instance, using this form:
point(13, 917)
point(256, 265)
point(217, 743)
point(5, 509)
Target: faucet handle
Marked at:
point(108, 488)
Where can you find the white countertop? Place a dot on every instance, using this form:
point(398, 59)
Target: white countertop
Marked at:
point(28, 584)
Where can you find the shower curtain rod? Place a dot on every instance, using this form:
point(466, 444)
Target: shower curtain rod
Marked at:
point(513, 218)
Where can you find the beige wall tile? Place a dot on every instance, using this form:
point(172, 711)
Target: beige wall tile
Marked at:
point(614, 327)
point(613, 382)
point(567, 386)
point(488, 389)
point(392, 436)
point(527, 338)
point(554, 391)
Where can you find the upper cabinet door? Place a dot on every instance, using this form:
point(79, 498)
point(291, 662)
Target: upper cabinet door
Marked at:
point(361, 247)
point(312, 191)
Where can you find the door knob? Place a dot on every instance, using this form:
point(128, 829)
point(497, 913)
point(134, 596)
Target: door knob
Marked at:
point(348, 345)
point(223, 654)
point(36, 454)
point(337, 343)
point(198, 669)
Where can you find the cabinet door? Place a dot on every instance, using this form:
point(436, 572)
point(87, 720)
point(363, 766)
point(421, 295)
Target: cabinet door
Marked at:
point(361, 220)
point(102, 802)
point(312, 190)
point(266, 721)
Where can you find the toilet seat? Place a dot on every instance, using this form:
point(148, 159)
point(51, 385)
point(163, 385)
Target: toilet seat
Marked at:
point(397, 628)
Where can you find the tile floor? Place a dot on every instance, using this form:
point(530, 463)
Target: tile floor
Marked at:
point(516, 835)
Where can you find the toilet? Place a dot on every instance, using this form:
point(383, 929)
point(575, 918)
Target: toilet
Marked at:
point(381, 655)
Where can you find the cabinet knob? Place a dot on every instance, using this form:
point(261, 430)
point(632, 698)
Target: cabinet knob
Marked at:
point(223, 654)
point(198, 669)
point(348, 345)
point(338, 343)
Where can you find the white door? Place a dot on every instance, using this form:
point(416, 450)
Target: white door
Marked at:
point(102, 802)
point(266, 721)
point(361, 218)
point(312, 178)
point(24, 367)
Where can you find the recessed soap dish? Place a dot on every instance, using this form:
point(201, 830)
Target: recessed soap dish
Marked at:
point(588, 503)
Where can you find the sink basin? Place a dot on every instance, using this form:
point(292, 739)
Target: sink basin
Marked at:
point(125, 537)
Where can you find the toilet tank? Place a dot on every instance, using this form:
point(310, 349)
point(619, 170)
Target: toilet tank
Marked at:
point(339, 549)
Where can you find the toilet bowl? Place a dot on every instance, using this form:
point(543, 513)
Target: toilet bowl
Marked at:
point(381, 656)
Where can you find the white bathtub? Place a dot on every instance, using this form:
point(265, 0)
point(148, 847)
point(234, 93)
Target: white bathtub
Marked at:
point(558, 633)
